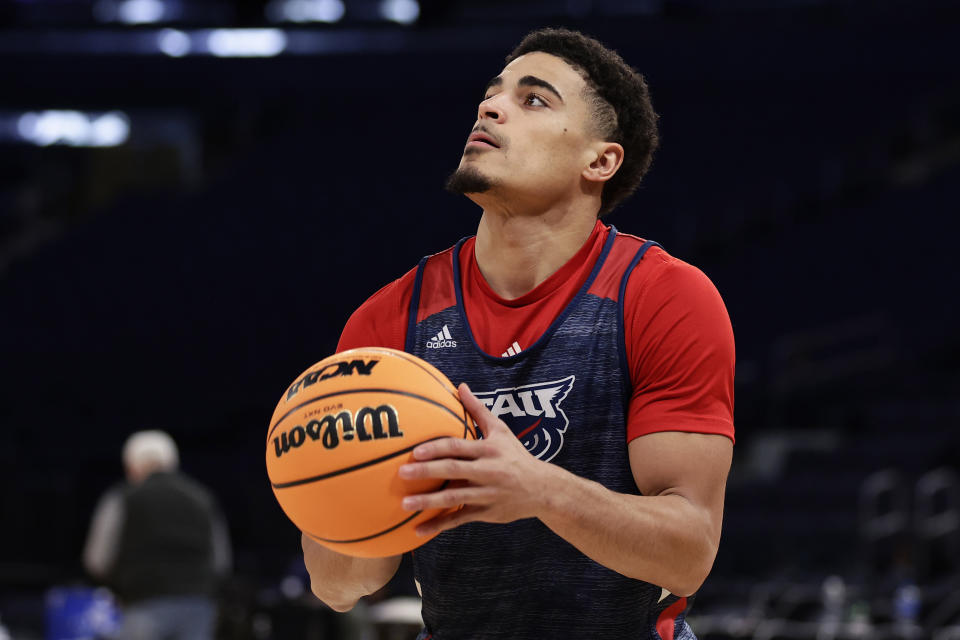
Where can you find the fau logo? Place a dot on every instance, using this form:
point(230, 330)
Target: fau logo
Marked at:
point(533, 413)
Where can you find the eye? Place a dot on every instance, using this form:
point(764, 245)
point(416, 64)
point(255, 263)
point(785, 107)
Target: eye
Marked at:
point(533, 100)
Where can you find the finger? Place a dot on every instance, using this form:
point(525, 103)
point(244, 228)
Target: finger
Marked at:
point(449, 520)
point(448, 448)
point(445, 468)
point(481, 414)
point(449, 498)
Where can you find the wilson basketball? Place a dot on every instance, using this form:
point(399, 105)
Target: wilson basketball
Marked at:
point(338, 436)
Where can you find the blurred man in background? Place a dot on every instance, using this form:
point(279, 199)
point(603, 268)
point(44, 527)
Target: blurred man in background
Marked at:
point(159, 540)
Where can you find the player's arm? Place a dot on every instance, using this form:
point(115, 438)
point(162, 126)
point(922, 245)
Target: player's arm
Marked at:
point(680, 432)
point(340, 580)
point(667, 537)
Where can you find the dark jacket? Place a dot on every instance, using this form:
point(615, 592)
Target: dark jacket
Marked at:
point(166, 543)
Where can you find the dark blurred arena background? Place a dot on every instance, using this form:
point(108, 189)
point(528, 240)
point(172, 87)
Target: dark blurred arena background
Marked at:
point(195, 195)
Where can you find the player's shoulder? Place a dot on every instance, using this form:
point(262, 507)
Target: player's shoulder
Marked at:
point(658, 265)
point(387, 304)
point(442, 261)
point(400, 290)
point(660, 273)
point(382, 318)
point(655, 255)
point(389, 294)
point(379, 321)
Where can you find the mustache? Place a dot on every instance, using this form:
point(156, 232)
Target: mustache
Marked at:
point(499, 140)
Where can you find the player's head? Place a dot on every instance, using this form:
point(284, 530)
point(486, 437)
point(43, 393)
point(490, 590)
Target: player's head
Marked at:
point(145, 452)
point(566, 116)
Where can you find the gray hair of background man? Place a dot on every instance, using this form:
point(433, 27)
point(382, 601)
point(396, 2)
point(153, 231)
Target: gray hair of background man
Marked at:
point(147, 451)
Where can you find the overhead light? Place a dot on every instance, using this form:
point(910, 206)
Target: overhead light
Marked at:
point(305, 10)
point(109, 130)
point(173, 42)
point(74, 128)
point(400, 11)
point(140, 11)
point(132, 11)
point(246, 43)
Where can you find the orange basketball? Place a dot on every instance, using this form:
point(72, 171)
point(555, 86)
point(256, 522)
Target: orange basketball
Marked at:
point(337, 437)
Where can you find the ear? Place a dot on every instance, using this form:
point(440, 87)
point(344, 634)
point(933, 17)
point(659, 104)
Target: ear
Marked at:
point(607, 159)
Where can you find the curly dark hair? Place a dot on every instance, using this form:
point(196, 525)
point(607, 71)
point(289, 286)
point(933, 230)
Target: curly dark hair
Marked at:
point(619, 98)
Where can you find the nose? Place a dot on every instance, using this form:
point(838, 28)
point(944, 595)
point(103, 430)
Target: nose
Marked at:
point(490, 110)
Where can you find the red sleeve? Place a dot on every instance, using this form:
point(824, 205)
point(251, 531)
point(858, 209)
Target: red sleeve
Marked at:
point(680, 349)
point(381, 321)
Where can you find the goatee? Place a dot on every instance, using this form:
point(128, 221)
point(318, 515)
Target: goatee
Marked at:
point(467, 180)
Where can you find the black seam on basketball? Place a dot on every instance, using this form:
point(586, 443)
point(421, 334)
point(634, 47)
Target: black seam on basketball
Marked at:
point(385, 531)
point(348, 391)
point(403, 355)
point(467, 429)
point(366, 463)
point(409, 357)
point(376, 535)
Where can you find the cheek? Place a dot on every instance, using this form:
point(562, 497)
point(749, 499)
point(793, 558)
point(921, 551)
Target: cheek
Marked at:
point(547, 155)
point(563, 155)
point(551, 149)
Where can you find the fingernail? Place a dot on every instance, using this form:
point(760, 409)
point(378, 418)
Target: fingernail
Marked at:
point(410, 504)
point(422, 531)
point(405, 470)
point(421, 452)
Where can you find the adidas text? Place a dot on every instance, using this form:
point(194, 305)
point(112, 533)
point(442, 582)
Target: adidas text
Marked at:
point(441, 340)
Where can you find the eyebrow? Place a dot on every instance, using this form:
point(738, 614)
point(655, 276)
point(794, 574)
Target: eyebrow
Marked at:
point(525, 81)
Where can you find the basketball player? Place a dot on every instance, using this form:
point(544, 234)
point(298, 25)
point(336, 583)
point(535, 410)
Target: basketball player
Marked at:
point(598, 367)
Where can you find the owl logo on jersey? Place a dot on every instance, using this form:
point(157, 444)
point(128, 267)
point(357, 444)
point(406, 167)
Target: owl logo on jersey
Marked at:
point(533, 413)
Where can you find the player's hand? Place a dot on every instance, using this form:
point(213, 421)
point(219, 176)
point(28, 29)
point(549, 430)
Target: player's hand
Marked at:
point(495, 478)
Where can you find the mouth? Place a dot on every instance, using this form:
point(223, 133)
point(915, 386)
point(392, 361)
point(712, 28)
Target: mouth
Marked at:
point(482, 140)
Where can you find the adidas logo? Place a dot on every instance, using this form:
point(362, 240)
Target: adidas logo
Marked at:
point(512, 350)
point(441, 340)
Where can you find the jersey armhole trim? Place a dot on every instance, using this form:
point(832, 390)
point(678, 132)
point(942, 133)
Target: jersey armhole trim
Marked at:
point(621, 327)
point(414, 306)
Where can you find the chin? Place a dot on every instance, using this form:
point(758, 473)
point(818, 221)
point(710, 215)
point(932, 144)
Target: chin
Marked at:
point(468, 179)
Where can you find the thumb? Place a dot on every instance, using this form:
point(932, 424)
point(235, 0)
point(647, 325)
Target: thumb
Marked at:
point(479, 411)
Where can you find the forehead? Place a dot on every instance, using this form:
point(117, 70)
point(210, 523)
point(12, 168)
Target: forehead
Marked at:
point(547, 67)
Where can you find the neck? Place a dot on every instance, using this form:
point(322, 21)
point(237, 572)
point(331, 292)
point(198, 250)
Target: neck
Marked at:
point(137, 474)
point(517, 253)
